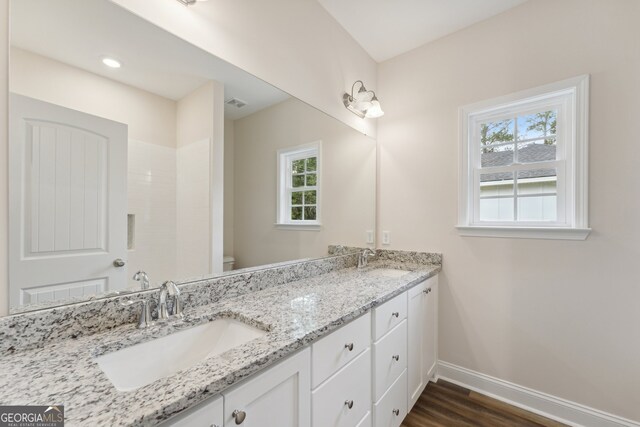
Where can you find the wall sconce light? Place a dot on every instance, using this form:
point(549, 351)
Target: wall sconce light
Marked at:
point(363, 103)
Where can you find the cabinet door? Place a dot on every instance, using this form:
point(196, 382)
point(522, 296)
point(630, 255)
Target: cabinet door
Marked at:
point(415, 337)
point(430, 337)
point(277, 397)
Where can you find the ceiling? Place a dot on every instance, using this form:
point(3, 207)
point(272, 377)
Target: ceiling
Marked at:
point(81, 33)
point(387, 28)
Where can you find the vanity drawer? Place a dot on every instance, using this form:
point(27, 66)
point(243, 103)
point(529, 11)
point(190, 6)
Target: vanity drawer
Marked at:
point(340, 347)
point(329, 407)
point(386, 368)
point(392, 408)
point(388, 315)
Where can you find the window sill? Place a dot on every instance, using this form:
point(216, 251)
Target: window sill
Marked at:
point(299, 227)
point(551, 233)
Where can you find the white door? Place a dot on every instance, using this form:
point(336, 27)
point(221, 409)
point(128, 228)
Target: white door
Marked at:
point(415, 338)
point(67, 202)
point(278, 397)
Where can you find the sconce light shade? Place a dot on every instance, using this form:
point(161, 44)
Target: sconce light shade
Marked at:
point(362, 103)
point(375, 110)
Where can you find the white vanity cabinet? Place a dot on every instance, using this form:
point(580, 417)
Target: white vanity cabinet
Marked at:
point(422, 337)
point(280, 396)
point(370, 372)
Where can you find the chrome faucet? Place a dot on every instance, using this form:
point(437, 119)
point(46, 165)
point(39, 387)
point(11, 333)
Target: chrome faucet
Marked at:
point(169, 288)
point(363, 257)
point(143, 278)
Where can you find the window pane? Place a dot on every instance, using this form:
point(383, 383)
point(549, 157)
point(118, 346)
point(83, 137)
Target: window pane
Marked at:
point(296, 213)
point(298, 181)
point(538, 190)
point(297, 166)
point(496, 156)
point(496, 184)
point(311, 164)
point(541, 150)
point(309, 213)
point(537, 125)
point(296, 198)
point(541, 208)
point(310, 197)
point(496, 209)
point(312, 180)
point(496, 196)
point(537, 181)
point(496, 132)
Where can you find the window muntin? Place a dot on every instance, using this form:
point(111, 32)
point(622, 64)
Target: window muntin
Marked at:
point(299, 185)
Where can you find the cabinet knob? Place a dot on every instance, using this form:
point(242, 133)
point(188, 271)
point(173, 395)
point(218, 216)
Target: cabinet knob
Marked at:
point(396, 412)
point(239, 416)
point(349, 346)
point(396, 357)
point(395, 314)
point(348, 403)
point(118, 263)
point(426, 291)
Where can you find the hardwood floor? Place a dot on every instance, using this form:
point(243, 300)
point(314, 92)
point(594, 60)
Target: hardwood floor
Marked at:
point(443, 404)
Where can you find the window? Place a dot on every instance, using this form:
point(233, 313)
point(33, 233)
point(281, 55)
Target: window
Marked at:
point(524, 164)
point(299, 186)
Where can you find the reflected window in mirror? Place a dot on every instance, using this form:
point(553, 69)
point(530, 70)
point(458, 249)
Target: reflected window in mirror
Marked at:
point(299, 185)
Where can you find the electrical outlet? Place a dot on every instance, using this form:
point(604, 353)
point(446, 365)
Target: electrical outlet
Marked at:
point(386, 237)
point(369, 237)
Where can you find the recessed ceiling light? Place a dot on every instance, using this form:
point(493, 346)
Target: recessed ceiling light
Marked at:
point(111, 63)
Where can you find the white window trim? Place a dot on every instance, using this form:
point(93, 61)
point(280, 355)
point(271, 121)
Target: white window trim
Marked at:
point(283, 201)
point(575, 225)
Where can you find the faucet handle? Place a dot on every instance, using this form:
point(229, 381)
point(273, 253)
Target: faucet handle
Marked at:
point(145, 314)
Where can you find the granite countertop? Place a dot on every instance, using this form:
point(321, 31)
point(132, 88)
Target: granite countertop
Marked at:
point(294, 315)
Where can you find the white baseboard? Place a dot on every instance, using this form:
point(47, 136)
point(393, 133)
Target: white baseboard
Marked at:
point(553, 407)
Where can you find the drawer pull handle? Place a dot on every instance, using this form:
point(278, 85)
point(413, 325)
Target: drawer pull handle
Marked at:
point(349, 346)
point(348, 403)
point(396, 357)
point(239, 416)
point(395, 314)
point(426, 291)
point(396, 412)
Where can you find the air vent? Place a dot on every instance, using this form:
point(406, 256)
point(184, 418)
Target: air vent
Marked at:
point(234, 102)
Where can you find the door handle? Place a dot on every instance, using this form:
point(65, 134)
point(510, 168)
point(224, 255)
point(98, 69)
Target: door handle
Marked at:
point(119, 263)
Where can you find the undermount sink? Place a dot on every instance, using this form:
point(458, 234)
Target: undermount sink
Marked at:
point(386, 272)
point(144, 363)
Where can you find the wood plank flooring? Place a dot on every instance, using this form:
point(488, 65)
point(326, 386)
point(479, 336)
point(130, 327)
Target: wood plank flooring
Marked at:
point(444, 404)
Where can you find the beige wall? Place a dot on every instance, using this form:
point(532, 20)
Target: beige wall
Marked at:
point(557, 316)
point(150, 118)
point(294, 45)
point(347, 184)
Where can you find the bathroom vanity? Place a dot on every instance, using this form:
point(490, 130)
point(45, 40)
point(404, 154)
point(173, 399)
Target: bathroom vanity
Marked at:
point(346, 347)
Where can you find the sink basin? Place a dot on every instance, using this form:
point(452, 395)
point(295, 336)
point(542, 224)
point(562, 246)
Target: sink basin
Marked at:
point(144, 363)
point(386, 272)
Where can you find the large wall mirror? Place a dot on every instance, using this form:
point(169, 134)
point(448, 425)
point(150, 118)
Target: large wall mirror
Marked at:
point(132, 150)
